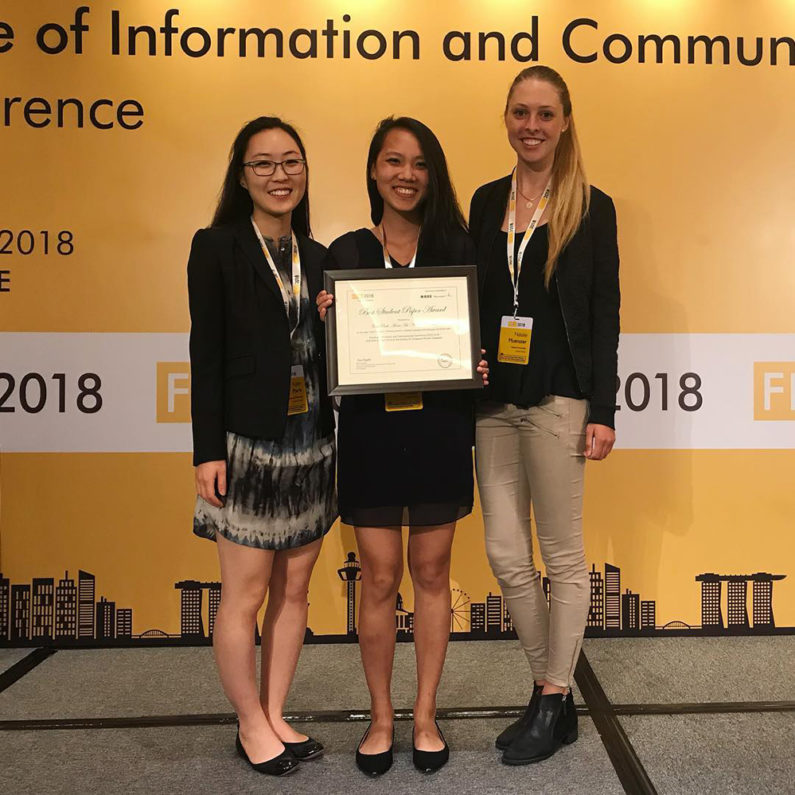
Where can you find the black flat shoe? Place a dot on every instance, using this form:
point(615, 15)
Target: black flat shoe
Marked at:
point(510, 733)
point(553, 724)
point(280, 765)
point(430, 761)
point(374, 764)
point(306, 749)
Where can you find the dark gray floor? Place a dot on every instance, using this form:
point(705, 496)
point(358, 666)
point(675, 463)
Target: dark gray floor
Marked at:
point(135, 682)
point(743, 754)
point(725, 753)
point(202, 760)
point(674, 670)
point(9, 657)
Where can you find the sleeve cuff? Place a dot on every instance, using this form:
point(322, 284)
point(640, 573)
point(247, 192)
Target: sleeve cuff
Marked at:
point(603, 415)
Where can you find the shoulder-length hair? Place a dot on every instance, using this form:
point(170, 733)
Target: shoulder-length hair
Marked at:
point(571, 193)
point(441, 214)
point(234, 202)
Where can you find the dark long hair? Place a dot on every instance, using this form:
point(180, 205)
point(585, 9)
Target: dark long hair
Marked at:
point(234, 203)
point(441, 215)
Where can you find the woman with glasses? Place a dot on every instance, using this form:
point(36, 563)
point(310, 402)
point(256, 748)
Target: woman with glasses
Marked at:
point(263, 427)
point(405, 459)
point(548, 267)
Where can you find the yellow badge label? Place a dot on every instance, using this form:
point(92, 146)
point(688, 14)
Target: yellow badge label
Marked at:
point(515, 334)
point(297, 403)
point(403, 401)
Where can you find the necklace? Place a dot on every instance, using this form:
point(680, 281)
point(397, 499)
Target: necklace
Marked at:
point(530, 201)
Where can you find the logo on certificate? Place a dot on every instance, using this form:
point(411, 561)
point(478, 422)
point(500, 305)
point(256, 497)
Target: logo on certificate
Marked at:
point(444, 360)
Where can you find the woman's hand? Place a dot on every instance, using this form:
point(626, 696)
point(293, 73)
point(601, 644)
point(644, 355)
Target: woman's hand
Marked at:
point(324, 300)
point(211, 478)
point(483, 368)
point(599, 441)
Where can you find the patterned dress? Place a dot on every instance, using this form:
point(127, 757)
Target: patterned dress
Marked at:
point(280, 494)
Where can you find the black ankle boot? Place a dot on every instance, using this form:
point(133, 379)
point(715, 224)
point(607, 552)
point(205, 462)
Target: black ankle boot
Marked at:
point(553, 724)
point(508, 735)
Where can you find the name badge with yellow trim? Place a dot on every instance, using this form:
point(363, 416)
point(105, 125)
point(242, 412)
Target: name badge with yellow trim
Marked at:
point(297, 403)
point(515, 333)
point(403, 401)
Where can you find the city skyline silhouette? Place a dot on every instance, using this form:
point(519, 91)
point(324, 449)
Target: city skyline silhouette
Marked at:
point(43, 613)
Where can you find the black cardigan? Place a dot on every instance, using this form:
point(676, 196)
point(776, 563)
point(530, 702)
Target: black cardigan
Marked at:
point(240, 339)
point(587, 279)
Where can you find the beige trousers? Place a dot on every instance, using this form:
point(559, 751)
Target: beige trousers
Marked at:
point(536, 455)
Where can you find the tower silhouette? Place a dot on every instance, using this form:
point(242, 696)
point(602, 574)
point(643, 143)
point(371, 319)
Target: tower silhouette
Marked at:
point(85, 604)
point(612, 597)
point(596, 612)
point(5, 604)
point(350, 574)
point(66, 608)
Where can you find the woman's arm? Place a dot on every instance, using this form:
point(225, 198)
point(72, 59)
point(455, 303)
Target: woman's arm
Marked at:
point(206, 300)
point(605, 303)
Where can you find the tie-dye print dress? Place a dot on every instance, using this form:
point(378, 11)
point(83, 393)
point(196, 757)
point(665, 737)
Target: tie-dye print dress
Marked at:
point(280, 494)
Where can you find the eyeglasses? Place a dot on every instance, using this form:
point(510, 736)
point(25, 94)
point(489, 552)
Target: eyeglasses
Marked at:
point(266, 168)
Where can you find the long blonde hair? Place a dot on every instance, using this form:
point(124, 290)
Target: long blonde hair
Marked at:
point(571, 193)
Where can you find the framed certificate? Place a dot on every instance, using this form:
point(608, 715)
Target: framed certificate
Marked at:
point(402, 330)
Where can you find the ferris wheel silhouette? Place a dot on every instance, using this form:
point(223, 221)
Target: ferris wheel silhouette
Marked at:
point(460, 619)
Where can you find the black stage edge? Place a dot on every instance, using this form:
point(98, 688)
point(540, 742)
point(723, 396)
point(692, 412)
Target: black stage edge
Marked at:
point(704, 708)
point(24, 666)
point(627, 764)
point(223, 718)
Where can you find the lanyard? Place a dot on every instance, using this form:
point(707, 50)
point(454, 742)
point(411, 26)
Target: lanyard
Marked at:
point(516, 268)
point(296, 275)
point(387, 261)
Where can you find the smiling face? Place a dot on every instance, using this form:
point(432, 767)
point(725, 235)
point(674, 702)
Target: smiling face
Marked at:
point(400, 172)
point(535, 121)
point(279, 193)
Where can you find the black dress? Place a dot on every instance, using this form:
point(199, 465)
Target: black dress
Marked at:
point(403, 467)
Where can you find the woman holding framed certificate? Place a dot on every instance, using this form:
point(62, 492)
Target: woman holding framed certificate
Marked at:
point(548, 274)
point(263, 427)
point(405, 459)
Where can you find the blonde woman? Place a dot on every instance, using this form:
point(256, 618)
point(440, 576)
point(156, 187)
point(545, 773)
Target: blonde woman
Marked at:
point(548, 270)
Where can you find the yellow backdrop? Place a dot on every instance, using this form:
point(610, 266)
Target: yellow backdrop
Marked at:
point(696, 155)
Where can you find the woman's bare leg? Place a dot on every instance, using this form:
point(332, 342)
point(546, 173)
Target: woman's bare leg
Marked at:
point(429, 564)
point(245, 573)
point(381, 553)
point(283, 630)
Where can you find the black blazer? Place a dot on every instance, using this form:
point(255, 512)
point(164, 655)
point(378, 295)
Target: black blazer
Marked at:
point(240, 339)
point(587, 280)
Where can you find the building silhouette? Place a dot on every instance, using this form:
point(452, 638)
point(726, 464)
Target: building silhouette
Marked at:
point(648, 614)
point(86, 588)
point(190, 609)
point(213, 603)
point(596, 612)
point(493, 614)
point(106, 619)
point(612, 597)
point(507, 621)
point(477, 617)
point(350, 574)
point(20, 612)
point(763, 600)
point(737, 601)
point(66, 608)
point(124, 622)
point(42, 608)
point(5, 606)
point(630, 611)
point(404, 620)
